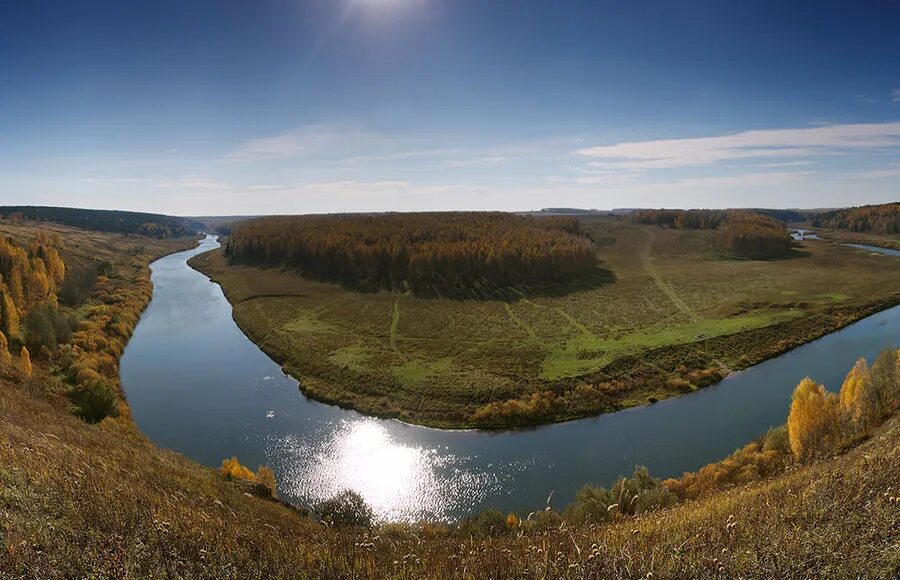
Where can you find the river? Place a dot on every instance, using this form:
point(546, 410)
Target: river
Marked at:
point(197, 385)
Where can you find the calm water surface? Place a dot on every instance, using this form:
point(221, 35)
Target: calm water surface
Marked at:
point(197, 385)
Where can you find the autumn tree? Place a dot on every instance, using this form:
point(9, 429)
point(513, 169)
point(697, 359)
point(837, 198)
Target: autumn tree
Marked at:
point(813, 421)
point(25, 362)
point(859, 399)
point(232, 469)
point(9, 313)
point(266, 477)
point(885, 377)
point(5, 357)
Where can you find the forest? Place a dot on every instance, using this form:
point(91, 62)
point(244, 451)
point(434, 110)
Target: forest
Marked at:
point(743, 233)
point(875, 219)
point(422, 252)
point(125, 222)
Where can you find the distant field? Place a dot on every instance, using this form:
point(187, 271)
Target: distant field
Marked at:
point(673, 316)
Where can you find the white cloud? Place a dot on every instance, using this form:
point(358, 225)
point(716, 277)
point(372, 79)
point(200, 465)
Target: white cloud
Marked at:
point(895, 96)
point(770, 143)
point(475, 162)
point(310, 140)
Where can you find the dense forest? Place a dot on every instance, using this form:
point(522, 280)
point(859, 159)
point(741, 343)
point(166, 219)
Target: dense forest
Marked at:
point(29, 278)
point(126, 222)
point(424, 252)
point(876, 219)
point(744, 233)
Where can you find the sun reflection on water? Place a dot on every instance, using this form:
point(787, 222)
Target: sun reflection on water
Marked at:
point(401, 482)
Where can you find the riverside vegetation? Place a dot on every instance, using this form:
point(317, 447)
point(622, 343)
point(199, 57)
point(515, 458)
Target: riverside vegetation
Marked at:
point(83, 499)
point(676, 302)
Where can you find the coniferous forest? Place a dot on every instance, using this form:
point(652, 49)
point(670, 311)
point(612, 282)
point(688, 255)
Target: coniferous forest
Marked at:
point(423, 252)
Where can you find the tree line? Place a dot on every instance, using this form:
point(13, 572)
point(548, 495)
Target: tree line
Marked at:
point(875, 219)
point(126, 222)
point(422, 252)
point(744, 233)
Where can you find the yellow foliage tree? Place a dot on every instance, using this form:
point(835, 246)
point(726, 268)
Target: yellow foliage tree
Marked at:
point(814, 420)
point(25, 362)
point(232, 469)
point(56, 268)
point(858, 397)
point(38, 289)
point(5, 357)
point(266, 477)
point(9, 313)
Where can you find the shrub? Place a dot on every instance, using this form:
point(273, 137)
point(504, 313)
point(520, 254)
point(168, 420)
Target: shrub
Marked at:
point(46, 327)
point(641, 493)
point(885, 375)
point(266, 478)
point(95, 401)
point(25, 362)
point(346, 509)
point(5, 357)
point(486, 524)
point(77, 286)
point(591, 505)
point(232, 469)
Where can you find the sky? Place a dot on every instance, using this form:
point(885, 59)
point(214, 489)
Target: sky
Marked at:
point(228, 107)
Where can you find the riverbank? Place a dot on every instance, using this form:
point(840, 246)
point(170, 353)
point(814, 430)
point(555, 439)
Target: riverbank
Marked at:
point(675, 317)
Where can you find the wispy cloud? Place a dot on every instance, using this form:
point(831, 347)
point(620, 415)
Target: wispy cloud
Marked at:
point(895, 96)
point(759, 144)
point(310, 140)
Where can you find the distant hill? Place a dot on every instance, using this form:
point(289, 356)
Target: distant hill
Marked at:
point(126, 222)
point(876, 219)
point(782, 215)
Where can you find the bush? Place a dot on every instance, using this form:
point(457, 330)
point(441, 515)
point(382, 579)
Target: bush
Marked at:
point(77, 286)
point(641, 493)
point(233, 470)
point(46, 327)
point(487, 524)
point(95, 401)
point(347, 509)
point(266, 478)
point(591, 505)
point(885, 375)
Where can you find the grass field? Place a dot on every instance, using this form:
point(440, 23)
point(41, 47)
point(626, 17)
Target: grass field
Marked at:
point(673, 315)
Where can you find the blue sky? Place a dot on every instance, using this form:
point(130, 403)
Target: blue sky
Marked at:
point(303, 106)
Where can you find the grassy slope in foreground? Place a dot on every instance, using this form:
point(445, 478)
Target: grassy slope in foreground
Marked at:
point(79, 500)
point(676, 317)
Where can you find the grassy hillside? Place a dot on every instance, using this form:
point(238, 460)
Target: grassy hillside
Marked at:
point(673, 315)
point(126, 222)
point(79, 500)
point(100, 500)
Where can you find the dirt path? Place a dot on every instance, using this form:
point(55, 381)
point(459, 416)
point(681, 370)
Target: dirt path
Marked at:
point(647, 262)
